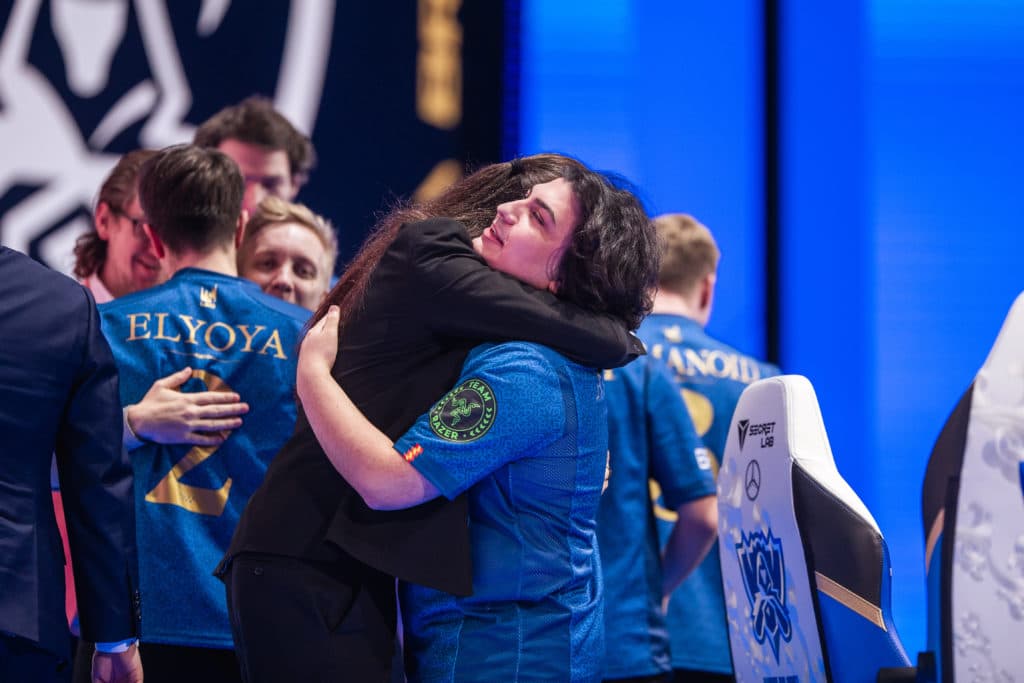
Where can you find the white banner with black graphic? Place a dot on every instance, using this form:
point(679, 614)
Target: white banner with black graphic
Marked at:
point(379, 89)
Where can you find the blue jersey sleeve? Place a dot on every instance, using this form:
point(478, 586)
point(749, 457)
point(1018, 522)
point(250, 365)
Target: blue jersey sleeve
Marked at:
point(506, 405)
point(679, 461)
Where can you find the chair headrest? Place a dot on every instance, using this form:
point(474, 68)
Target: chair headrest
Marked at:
point(789, 404)
point(1005, 360)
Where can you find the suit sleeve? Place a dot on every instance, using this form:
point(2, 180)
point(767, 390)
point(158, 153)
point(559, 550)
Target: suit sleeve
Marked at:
point(463, 297)
point(96, 482)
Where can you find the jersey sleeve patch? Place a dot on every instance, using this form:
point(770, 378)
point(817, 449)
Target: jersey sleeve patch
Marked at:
point(413, 452)
point(466, 413)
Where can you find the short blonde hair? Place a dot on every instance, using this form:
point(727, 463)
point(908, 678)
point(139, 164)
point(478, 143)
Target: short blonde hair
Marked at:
point(688, 252)
point(274, 211)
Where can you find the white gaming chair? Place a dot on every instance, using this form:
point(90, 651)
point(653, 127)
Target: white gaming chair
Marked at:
point(973, 510)
point(804, 566)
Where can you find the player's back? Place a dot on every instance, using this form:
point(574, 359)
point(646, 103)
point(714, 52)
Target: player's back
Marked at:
point(711, 376)
point(189, 498)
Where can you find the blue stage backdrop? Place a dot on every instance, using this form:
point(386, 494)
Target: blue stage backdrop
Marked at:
point(669, 95)
point(947, 215)
point(897, 184)
point(396, 97)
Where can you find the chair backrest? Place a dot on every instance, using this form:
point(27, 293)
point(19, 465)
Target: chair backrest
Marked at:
point(805, 569)
point(973, 513)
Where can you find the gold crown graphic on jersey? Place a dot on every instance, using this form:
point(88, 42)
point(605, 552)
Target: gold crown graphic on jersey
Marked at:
point(673, 334)
point(208, 297)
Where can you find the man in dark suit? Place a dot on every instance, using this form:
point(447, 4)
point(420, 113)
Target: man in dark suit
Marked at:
point(59, 394)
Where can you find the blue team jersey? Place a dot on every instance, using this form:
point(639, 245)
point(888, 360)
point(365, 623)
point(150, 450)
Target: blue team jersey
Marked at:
point(712, 376)
point(524, 431)
point(653, 443)
point(188, 499)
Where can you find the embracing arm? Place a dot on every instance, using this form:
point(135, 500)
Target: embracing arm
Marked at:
point(463, 297)
point(360, 452)
point(170, 416)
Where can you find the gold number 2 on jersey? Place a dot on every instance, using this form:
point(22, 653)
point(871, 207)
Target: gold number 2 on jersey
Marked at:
point(171, 491)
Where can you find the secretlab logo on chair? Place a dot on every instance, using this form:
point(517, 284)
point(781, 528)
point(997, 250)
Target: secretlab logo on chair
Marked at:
point(766, 430)
point(82, 82)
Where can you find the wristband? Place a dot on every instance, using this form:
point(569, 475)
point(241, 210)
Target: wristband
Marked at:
point(116, 647)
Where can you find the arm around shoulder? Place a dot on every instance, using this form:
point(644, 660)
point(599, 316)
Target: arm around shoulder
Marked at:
point(360, 452)
point(462, 296)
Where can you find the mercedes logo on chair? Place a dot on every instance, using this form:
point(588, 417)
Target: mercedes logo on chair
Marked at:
point(752, 479)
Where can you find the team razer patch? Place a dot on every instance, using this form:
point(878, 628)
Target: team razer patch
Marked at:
point(466, 413)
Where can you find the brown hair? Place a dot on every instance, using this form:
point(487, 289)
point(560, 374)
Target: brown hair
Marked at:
point(274, 211)
point(117, 192)
point(192, 197)
point(688, 252)
point(255, 121)
point(471, 200)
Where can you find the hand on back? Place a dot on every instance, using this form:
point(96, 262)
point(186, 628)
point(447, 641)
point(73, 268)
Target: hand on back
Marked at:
point(168, 415)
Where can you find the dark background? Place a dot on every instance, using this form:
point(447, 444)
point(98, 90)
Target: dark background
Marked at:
point(372, 146)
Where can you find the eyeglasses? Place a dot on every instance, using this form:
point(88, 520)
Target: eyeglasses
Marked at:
point(137, 223)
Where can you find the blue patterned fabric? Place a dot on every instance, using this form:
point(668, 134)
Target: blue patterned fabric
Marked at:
point(524, 431)
point(712, 376)
point(189, 499)
point(651, 440)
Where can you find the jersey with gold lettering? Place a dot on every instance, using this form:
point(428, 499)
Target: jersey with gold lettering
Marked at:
point(651, 441)
point(524, 431)
point(188, 499)
point(711, 376)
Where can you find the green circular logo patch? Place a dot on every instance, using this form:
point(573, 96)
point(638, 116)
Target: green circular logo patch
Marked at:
point(466, 413)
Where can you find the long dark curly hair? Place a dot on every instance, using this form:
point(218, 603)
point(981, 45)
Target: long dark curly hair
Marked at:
point(610, 265)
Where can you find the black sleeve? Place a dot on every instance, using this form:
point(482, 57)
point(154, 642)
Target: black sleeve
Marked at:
point(96, 485)
point(463, 297)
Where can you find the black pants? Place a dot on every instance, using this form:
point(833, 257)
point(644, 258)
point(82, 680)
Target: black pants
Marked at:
point(22, 660)
point(299, 621)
